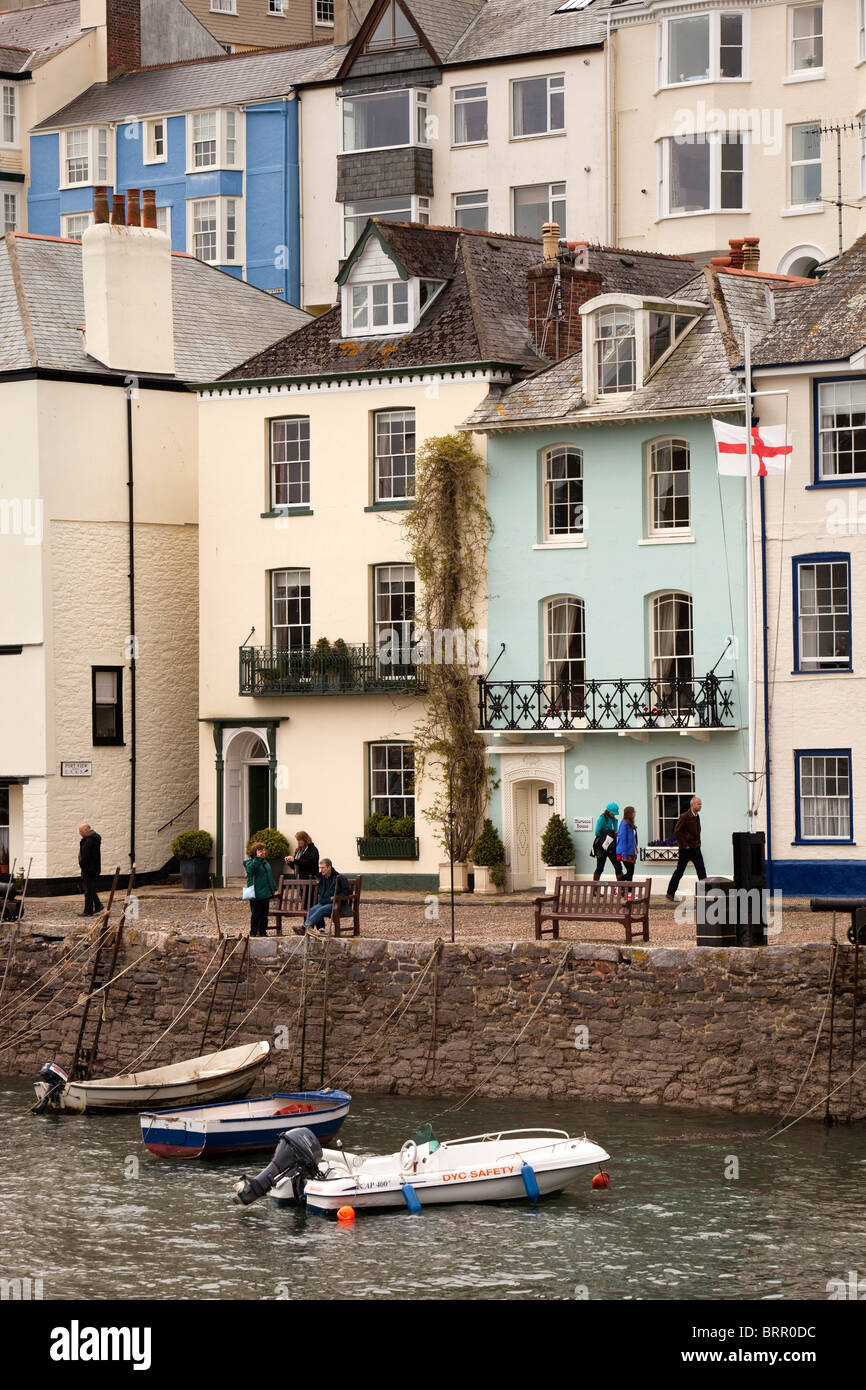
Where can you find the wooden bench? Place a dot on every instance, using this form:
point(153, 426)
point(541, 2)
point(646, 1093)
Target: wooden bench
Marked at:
point(347, 908)
point(295, 897)
point(573, 901)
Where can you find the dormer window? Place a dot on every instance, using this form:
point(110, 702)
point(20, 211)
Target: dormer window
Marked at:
point(379, 307)
point(627, 338)
point(392, 31)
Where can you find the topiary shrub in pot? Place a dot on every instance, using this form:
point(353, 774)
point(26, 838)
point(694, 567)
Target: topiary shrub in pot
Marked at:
point(192, 848)
point(276, 848)
point(557, 851)
point(488, 853)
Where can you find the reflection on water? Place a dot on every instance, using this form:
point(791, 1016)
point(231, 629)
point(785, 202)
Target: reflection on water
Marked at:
point(88, 1210)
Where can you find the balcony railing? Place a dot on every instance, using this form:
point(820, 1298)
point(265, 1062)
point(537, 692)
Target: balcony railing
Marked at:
point(703, 702)
point(359, 671)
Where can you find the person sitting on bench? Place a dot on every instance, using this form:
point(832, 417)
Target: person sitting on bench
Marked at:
point(330, 882)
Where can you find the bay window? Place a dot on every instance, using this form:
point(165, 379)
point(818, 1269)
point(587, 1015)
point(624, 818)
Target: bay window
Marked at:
point(702, 173)
point(9, 213)
point(384, 120)
point(703, 48)
point(215, 230)
point(73, 225)
point(8, 114)
point(213, 140)
point(86, 157)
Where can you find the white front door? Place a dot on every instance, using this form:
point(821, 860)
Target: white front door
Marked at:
point(530, 820)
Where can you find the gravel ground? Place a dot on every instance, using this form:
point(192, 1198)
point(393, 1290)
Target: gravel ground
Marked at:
point(410, 917)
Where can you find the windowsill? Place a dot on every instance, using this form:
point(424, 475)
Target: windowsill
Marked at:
point(851, 843)
point(704, 212)
point(470, 145)
point(383, 149)
point(667, 540)
point(806, 210)
point(807, 75)
point(699, 82)
point(542, 135)
point(824, 671)
point(858, 481)
point(161, 159)
point(561, 545)
point(217, 169)
point(109, 743)
point(288, 511)
point(402, 504)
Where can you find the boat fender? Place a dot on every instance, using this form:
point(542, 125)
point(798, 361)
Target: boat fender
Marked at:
point(530, 1182)
point(410, 1196)
point(601, 1179)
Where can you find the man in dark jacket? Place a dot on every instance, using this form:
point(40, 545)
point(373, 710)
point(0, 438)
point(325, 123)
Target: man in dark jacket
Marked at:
point(688, 836)
point(330, 883)
point(90, 862)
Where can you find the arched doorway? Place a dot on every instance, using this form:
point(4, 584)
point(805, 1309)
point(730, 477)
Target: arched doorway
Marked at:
point(532, 803)
point(247, 795)
point(801, 260)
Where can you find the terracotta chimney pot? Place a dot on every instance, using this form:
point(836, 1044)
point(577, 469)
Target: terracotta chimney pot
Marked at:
point(550, 241)
point(133, 210)
point(148, 209)
point(118, 210)
point(751, 252)
point(736, 245)
point(100, 204)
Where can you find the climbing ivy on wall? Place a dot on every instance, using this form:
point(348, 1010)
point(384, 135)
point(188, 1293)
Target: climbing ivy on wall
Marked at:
point(448, 530)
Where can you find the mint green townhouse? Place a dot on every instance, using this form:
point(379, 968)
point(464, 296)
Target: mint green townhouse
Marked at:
point(618, 632)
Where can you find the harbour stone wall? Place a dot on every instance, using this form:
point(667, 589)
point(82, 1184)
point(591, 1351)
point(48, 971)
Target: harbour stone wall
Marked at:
point(697, 1028)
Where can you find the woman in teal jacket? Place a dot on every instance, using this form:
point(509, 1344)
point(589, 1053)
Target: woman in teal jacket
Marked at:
point(261, 878)
point(605, 829)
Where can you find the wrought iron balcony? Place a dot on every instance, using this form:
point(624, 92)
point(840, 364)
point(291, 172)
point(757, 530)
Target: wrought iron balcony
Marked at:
point(356, 671)
point(703, 702)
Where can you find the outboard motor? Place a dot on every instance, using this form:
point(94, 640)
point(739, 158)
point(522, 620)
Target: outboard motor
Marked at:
point(55, 1079)
point(297, 1156)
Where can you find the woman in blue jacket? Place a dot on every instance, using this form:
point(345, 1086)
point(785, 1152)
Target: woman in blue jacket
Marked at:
point(626, 843)
point(604, 845)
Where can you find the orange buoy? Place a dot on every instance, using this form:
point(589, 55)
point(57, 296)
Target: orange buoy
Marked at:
point(601, 1179)
point(346, 1215)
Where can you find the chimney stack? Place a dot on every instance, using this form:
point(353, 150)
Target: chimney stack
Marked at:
point(118, 32)
point(129, 321)
point(556, 289)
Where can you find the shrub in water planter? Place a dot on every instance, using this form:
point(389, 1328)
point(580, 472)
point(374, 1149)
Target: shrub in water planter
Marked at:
point(557, 846)
point(488, 848)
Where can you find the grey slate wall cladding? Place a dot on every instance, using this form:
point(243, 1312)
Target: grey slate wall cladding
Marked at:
point(373, 71)
point(385, 174)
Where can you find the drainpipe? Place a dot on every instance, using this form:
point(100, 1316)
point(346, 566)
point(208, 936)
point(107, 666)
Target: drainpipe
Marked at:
point(609, 137)
point(766, 687)
point(132, 638)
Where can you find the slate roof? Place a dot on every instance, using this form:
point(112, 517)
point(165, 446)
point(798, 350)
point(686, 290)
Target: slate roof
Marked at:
point(41, 30)
point(479, 316)
point(444, 21)
point(824, 322)
point(218, 319)
point(198, 83)
point(700, 368)
point(506, 28)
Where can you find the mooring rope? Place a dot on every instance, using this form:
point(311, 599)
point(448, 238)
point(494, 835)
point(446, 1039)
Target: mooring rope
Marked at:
point(19, 1001)
point(252, 1010)
point(191, 999)
point(403, 1005)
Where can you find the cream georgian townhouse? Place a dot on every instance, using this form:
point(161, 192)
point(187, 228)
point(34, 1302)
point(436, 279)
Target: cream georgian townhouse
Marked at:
point(308, 468)
point(98, 538)
point(724, 117)
point(49, 53)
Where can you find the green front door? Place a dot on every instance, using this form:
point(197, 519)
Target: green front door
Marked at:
point(259, 799)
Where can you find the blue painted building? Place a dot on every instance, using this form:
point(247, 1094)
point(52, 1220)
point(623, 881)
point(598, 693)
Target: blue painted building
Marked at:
point(217, 140)
point(617, 575)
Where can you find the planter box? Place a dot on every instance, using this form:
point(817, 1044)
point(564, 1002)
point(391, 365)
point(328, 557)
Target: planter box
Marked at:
point(552, 872)
point(483, 885)
point(195, 873)
point(387, 847)
point(461, 877)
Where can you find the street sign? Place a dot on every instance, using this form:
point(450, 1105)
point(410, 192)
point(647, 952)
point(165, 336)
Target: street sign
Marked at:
point(76, 769)
point(583, 822)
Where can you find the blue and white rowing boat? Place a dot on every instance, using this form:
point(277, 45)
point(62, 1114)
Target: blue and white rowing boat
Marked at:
point(240, 1125)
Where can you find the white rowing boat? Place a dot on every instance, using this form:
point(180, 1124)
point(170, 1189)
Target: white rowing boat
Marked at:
point(479, 1168)
point(215, 1076)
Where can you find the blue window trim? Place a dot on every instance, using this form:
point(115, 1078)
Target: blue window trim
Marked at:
point(858, 480)
point(821, 557)
point(799, 753)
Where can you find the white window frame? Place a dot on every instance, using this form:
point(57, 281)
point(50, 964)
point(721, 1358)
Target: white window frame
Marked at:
point(817, 70)
point(861, 31)
point(716, 144)
point(222, 212)
point(682, 769)
point(379, 330)
point(68, 217)
point(567, 695)
point(302, 446)
point(456, 103)
point(92, 156)
point(548, 77)
point(300, 578)
point(654, 530)
point(165, 208)
point(478, 194)
point(861, 139)
point(406, 772)
point(642, 309)
point(222, 160)
point(324, 23)
point(400, 416)
point(816, 203)
point(276, 9)
point(418, 116)
point(223, 6)
point(843, 812)
point(417, 210)
point(149, 155)
point(575, 532)
point(551, 199)
point(9, 198)
point(826, 401)
point(715, 24)
point(7, 90)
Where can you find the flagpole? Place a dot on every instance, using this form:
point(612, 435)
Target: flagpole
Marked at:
point(750, 574)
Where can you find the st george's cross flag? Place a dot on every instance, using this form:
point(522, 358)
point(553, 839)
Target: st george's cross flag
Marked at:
point(771, 449)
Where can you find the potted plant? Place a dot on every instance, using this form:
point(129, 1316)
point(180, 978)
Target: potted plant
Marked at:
point(193, 850)
point(340, 666)
point(487, 854)
point(276, 848)
point(557, 851)
point(321, 660)
point(388, 837)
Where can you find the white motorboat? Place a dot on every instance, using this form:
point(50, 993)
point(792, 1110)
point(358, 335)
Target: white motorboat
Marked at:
point(216, 1076)
point(517, 1163)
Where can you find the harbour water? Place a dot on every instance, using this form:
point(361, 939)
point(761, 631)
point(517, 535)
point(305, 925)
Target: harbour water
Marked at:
point(86, 1211)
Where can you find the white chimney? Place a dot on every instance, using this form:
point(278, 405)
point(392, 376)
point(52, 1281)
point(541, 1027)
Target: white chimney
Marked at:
point(128, 318)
